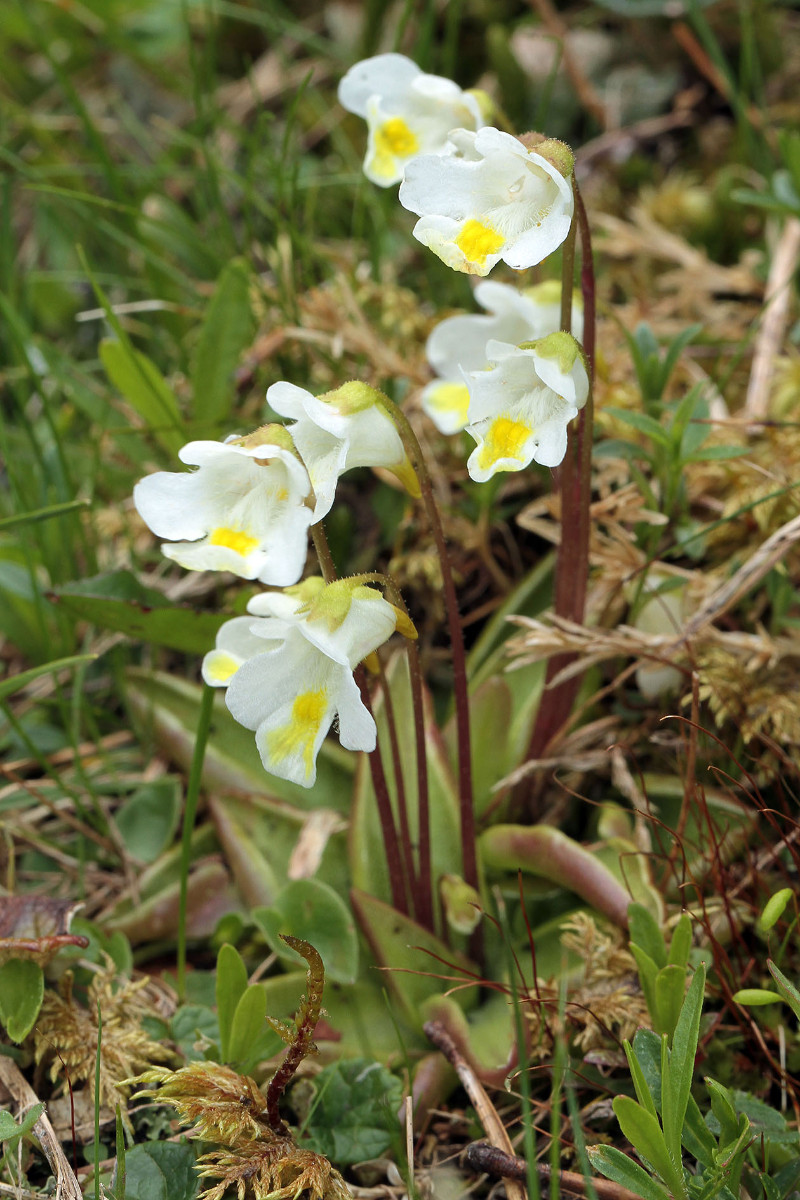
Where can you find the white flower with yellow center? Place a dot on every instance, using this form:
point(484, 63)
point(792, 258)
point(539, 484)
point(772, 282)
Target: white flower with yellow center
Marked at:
point(489, 199)
point(458, 344)
point(520, 408)
point(338, 431)
point(291, 694)
point(407, 112)
point(242, 511)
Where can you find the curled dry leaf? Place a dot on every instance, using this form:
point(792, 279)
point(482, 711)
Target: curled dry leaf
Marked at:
point(36, 928)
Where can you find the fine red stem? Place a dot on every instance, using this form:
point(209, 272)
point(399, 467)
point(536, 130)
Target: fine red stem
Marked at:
point(424, 883)
point(406, 848)
point(466, 806)
point(385, 815)
point(573, 478)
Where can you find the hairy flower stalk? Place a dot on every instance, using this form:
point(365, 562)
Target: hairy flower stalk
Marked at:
point(460, 690)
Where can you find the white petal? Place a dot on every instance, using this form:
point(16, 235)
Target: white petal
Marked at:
point(174, 504)
point(386, 75)
point(446, 401)
point(287, 399)
point(368, 624)
point(356, 726)
point(573, 386)
point(235, 644)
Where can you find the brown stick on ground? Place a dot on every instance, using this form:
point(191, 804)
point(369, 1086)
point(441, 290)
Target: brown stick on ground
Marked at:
point(16, 1089)
point(491, 1161)
point(487, 1113)
point(776, 317)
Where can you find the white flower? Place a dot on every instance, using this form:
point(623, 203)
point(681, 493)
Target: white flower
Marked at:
point(236, 643)
point(490, 199)
point(291, 693)
point(407, 113)
point(243, 510)
point(340, 430)
point(520, 408)
point(458, 344)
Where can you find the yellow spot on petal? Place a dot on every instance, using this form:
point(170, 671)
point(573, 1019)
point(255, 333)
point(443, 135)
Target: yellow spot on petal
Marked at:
point(450, 398)
point(298, 737)
point(220, 667)
point(394, 137)
point(477, 241)
point(504, 439)
point(233, 539)
point(393, 140)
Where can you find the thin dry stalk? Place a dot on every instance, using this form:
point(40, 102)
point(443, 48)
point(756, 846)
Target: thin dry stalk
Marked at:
point(776, 317)
point(487, 1113)
point(15, 1088)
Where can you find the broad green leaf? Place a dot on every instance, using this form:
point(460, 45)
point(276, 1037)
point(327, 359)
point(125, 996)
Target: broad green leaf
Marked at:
point(249, 1026)
point(645, 932)
point(10, 1129)
point(641, 422)
point(192, 1024)
point(118, 601)
point(312, 910)
point(160, 1171)
point(141, 383)
point(716, 453)
point(723, 1109)
point(696, 1136)
point(681, 942)
point(681, 1062)
point(787, 989)
point(756, 997)
point(774, 908)
point(21, 995)
point(353, 1111)
point(231, 986)
point(670, 988)
point(148, 819)
point(227, 330)
point(643, 1132)
point(14, 683)
point(259, 835)
point(550, 854)
point(642, 1087)
point(410, 956)
point(647, 977)
point(623, 1170)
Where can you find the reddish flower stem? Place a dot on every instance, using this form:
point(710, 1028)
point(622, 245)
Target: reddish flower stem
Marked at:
point(574, 479)
point(394, 860)
point(466, 806)
point(406, 848)
point(397, 881)
point(424, 883)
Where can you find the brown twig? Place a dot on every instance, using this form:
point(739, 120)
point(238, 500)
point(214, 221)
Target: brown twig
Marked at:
point(776, 316)
point(487, 1113)
point(491, 1161)
point(14, 1087)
